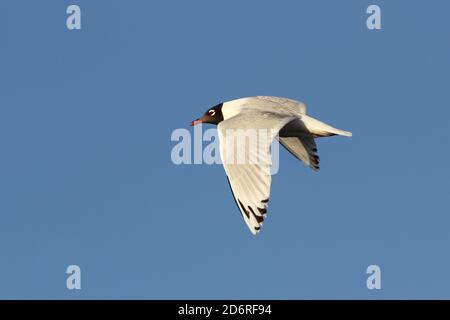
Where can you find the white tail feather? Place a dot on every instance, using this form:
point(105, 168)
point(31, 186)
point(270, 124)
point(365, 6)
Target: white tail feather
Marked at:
point(345, 133)
point(321, 129)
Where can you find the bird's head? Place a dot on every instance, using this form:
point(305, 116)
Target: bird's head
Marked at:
point(212, 115)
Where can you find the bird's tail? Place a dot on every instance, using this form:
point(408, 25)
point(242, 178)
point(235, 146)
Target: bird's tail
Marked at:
point(321, 129)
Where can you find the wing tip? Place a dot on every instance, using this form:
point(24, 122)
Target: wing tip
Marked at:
point(255, 230)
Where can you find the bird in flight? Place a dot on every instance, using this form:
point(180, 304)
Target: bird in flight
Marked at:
point(246, 128)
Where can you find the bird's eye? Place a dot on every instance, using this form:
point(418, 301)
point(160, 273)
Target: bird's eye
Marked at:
point(212, 112)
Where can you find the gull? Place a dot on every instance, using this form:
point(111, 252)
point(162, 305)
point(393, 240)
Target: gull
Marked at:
point(246, 128)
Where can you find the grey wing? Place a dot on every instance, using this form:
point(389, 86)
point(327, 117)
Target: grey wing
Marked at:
point(299, 141)
point(277, 104)
point(304, 148)
point(247, 164)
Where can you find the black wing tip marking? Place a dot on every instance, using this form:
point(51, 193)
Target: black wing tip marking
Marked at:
point(262, 211)
point(315, 162)
point(243, 209)
point(258, 218)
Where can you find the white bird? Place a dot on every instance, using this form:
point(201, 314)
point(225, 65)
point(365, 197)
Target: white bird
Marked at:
point(247, 165)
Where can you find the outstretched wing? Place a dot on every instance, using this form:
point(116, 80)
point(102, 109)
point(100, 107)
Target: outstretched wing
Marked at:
point(304, 148)
point(245, 152)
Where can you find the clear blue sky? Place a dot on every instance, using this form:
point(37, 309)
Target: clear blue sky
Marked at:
point(86, 176)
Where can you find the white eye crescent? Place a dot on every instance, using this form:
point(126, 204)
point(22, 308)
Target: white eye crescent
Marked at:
point(212, 112)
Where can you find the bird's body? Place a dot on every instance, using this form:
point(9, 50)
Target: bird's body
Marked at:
point(246, 129)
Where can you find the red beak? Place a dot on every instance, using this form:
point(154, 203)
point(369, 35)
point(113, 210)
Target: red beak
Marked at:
point(195, 122)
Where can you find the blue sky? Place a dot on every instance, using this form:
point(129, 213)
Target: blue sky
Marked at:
point(86, 176)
